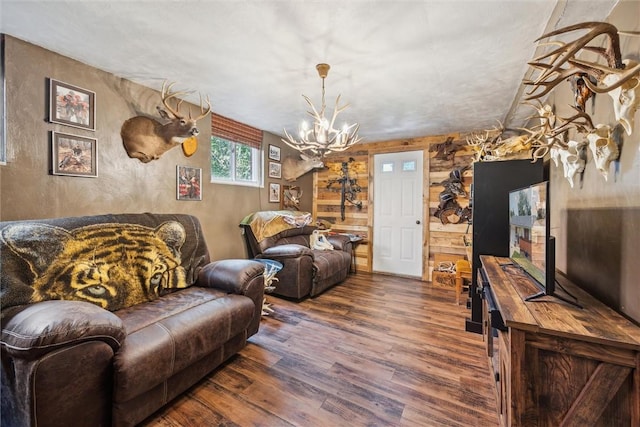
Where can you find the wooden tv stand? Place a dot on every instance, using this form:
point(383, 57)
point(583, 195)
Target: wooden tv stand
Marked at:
point(555, 364)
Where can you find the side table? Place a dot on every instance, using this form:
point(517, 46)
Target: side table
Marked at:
point(271, 268)
point(355, 241)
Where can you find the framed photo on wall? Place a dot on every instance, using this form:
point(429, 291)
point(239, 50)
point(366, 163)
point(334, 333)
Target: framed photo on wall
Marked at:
point(74, 155)
point(189, 183)
point(274, 152)
point(274, 192)
point(290, 199)
point(71, 105)
point(275, 170)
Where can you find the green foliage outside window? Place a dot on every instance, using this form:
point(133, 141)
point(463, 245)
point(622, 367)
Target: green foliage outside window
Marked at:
point(221, 153)
point(234, 162)
point(244, 163)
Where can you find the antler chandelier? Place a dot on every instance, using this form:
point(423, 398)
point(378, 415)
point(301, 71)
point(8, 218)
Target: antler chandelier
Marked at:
point(322, 138)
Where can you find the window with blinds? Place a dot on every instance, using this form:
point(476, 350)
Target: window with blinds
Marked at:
point(236, 152)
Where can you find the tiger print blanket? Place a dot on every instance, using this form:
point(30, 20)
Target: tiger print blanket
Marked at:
point(114, 261)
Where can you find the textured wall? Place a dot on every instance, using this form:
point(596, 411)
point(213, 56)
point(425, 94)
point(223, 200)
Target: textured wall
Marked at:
point(597, 223)
point(123, 184)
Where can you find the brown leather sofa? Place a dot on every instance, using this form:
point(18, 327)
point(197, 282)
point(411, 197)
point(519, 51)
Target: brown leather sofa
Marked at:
point(305, 271)
point(67, 361)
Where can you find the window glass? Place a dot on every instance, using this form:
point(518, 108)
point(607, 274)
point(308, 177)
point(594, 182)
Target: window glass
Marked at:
point(387, 167)
point(235, 163)
point(409, 166)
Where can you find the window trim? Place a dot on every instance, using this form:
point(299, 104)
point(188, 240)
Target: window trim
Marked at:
point(258, 163)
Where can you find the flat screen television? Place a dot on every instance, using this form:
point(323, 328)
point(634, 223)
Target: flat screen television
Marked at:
point(529, 233)
point(531, 245)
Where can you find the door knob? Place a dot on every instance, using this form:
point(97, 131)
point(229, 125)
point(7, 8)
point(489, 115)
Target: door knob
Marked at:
point(418, 222)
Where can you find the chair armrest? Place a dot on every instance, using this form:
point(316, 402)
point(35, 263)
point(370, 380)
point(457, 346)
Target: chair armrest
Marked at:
point(30, 331)
point(237, 276)
point(230, 275)
point(339, 242)
point(291, 250)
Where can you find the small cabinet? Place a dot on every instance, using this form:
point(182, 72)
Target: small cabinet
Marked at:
point(555, 364)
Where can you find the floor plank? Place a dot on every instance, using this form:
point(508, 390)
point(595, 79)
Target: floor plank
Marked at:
point(375, 350)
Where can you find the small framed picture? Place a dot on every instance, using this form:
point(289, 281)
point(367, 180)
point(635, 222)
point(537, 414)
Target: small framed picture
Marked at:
point(71, 105)
point(274, 192)
point(274, 152)
point(275, 170)
point(74, 155)
point(189, 183)
point(290, 199)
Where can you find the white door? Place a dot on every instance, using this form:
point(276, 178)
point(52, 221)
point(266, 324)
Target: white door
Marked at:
point(397, 213)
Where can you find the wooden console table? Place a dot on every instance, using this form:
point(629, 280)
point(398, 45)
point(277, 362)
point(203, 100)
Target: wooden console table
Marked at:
point(555, 364)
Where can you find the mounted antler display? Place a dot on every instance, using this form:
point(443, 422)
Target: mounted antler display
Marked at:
point(554, 137)
point(589, 77)
point(489, 148)
point(146, 139)
point(552, 65)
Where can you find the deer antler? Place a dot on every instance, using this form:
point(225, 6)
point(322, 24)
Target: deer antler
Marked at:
point(167, 95)
point(552, 72)
point(624, 75)
point(203, 111)
point(583, 126)
point(580, 121)
point(568, 50)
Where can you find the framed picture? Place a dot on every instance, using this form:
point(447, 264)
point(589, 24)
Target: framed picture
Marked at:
point(189, 183)
point(290, 198)
point(274, 152)
point(275, 170)
point(274, 192)
point(71, 105)
point(74, 155)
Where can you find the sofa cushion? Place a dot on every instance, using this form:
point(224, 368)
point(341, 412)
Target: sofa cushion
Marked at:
point(169, 334)
point(330, 268)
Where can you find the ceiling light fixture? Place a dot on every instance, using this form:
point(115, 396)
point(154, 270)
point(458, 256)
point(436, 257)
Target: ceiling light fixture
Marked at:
point(322, 138)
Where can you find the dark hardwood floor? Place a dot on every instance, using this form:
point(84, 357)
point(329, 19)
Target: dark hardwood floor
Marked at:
point(373, 351)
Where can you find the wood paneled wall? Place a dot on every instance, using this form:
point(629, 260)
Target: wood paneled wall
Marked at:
point(448, 238)
point(437, 238)
point(326, 200)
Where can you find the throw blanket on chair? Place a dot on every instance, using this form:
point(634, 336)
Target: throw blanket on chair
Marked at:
point(105, 260)
point(269, 223)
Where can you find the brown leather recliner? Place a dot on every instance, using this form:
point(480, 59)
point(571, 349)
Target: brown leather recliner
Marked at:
point(69, 362)
point(306, 271)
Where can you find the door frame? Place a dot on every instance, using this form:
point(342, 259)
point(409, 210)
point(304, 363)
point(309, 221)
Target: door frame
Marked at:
point(425, 202)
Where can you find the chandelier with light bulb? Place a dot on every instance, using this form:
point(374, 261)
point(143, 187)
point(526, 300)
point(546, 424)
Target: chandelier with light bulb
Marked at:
point(322, 138)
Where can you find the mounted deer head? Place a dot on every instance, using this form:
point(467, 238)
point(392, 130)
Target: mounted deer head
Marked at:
point(293, 168)
point(146, 139)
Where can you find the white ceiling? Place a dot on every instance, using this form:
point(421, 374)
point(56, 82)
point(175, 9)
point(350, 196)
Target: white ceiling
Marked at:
point(408, 68)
